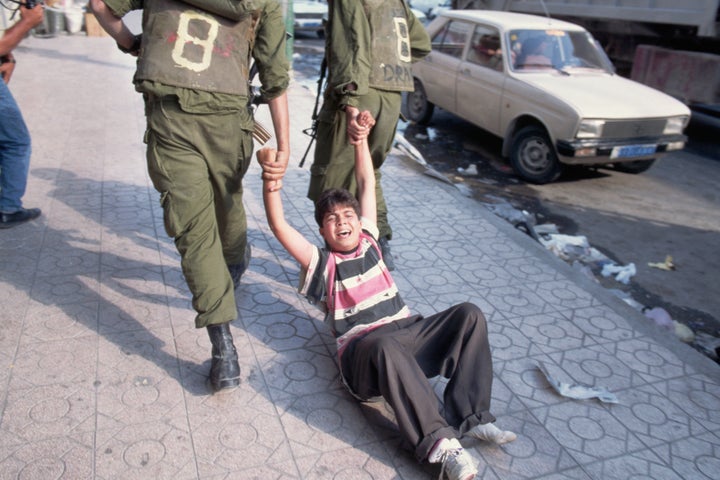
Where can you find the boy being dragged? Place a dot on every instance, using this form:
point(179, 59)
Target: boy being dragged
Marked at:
point(383, 350)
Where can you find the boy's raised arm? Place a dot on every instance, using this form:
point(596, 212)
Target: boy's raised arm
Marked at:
point(365, 173)
point(293, 241)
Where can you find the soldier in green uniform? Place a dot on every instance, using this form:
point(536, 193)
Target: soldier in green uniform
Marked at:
point(370, 45)
point(193, 67)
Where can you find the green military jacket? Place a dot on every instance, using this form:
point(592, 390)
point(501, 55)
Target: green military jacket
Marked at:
point(265, 44)
point(371, 44)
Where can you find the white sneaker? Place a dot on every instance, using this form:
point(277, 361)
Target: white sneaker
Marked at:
point(457, 464)
point(490, 433)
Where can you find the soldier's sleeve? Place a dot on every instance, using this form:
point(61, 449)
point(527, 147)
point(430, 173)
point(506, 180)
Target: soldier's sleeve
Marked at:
point(230, 9)
point(348, 51)
point(269, 51)
point(121, 7)
point(420, 44)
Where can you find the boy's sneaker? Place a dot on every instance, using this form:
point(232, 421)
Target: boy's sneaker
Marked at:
point(457, 464)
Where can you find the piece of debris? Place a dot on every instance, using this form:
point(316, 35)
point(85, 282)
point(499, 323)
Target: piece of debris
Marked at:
point(402, 144)
point(578, 392)
point(683, 332)
point(471, 170)
point(666, 265)
point(660, 317)
point(627, 298)
point(622, 273)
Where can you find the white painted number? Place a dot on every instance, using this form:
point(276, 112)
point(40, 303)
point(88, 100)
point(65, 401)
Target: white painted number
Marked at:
point(184, 37)
point(403, 36)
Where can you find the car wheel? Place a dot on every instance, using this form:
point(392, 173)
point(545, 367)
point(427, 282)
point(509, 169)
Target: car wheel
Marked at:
point(638, 166)
point(533, 157)
point(416, 106)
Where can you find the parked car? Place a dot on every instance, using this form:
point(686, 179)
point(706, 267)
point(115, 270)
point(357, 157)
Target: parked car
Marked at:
point(547, 89)
point(309, 15)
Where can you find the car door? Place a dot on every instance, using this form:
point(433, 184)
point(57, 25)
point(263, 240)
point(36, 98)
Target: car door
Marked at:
point(439, 68)
point(481, 78)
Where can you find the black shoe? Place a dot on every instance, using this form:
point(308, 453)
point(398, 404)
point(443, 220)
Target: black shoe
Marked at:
point(9, 220)
point(387, 255)
point(224, 370)
point(236, 270)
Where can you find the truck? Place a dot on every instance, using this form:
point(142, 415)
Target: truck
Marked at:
point(670, 45)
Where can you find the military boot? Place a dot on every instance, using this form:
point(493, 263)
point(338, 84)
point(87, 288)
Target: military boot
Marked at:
point(224, 370)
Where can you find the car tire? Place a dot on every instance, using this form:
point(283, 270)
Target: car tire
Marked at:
point(533, 157)
point(637, 166)
point(416, 106)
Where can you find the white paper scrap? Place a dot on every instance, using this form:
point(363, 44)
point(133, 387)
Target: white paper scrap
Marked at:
point(578, 392)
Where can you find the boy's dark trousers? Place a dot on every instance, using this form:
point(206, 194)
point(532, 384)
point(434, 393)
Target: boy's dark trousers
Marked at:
point(396, 361)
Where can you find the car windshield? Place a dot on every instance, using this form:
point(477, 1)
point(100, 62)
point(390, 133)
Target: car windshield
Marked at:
point(532, 50)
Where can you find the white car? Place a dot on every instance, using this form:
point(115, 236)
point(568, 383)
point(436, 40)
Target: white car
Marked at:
point(309, 16)
point(547, 89)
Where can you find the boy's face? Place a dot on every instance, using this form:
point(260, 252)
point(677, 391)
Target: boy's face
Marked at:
point(341, 228)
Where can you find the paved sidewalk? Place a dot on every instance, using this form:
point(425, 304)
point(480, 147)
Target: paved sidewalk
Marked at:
point(103, 373)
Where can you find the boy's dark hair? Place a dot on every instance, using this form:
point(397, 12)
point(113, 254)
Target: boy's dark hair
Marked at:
point(330, 199)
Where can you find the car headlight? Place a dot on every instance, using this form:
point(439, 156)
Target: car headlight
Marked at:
point(590, 129)
point(675, 125)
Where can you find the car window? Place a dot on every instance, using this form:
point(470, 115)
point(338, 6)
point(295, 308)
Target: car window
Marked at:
point(451, 38)
point(559, 49)
point(485, 48)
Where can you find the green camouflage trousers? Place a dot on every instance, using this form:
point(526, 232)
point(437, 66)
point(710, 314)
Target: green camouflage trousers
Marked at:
point(197, 163)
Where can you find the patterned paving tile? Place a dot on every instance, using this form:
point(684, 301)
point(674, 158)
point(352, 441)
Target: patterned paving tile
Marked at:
point(148, 450)
point(648, 359)
point(535, 452)
point(68, 456)
point(697, 457)
point(652, 417)
point(551, 332)
point(587, 431)
point(642, 464)
point(527, 382)
point(594, 366)
point(601, 323)
point(43, 412)
point(69, 360)
point(697, 395)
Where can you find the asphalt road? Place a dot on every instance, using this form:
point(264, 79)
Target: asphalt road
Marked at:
point(670, 210)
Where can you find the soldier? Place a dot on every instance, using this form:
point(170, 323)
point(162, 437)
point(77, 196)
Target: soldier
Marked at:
point(193, 64)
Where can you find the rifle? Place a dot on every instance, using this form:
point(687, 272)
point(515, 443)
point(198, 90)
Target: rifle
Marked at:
point(312, 131)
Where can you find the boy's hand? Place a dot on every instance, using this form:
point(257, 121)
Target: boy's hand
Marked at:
point(274, 164)
point(355, 131)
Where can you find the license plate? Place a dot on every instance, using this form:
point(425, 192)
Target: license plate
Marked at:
point(632, 151)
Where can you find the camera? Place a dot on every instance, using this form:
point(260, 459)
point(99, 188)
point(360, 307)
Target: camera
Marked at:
point(30, 4)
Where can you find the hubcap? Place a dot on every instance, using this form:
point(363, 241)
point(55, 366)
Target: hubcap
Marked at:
point(534, 155)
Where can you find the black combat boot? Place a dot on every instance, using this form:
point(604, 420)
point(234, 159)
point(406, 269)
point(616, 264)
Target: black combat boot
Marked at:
point(224, 371)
